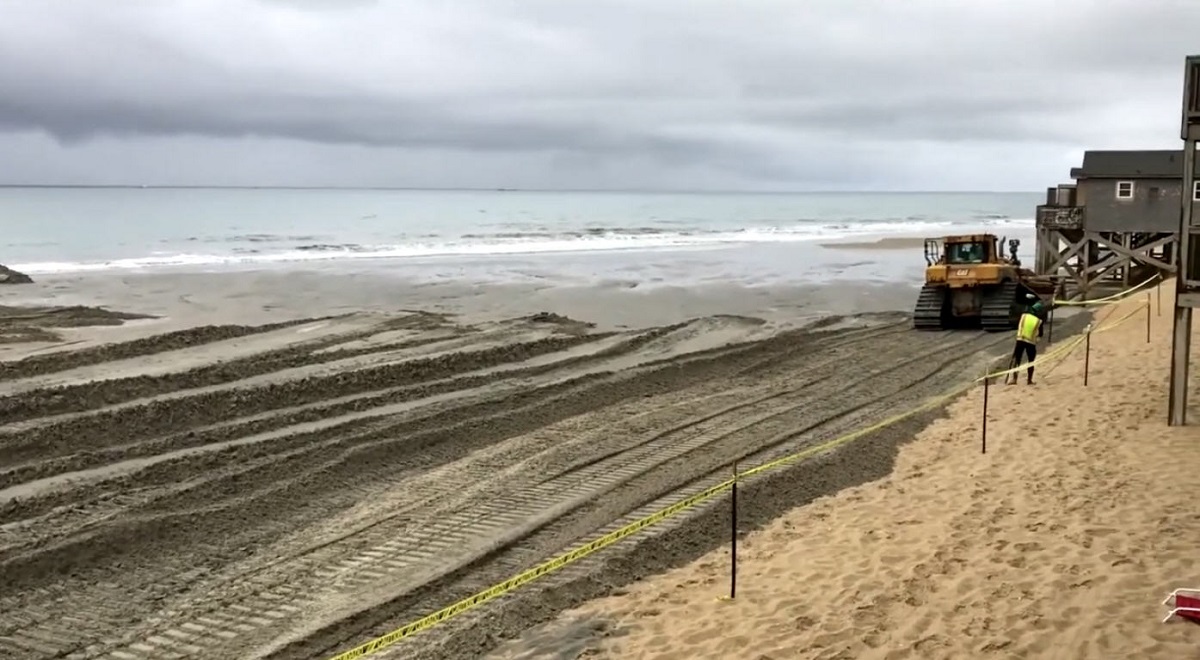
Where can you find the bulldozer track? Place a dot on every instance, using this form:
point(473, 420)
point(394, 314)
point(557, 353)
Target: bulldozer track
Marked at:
point(928, 314)
point(996, 314)
point(365, 501)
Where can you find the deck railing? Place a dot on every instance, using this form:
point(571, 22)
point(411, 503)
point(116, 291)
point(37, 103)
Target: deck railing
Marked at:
point(1060, 217)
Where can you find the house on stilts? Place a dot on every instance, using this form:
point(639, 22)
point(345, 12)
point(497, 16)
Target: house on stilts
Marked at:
point(1116, 225)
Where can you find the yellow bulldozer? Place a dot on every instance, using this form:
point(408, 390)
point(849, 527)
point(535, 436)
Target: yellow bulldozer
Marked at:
point(970, 283)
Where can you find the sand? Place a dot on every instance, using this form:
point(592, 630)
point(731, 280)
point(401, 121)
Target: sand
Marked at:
point(1060, 542)
point(189, 298)
point(199, 485)
point(888, 243)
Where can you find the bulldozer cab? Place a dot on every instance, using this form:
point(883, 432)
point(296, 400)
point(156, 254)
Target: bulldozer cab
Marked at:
point(969, 252)
point(961, 250)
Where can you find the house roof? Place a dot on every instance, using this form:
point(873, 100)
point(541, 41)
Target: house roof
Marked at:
point(1160, 164)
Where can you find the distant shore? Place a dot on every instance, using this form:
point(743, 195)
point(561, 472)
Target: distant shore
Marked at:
point(507, 189)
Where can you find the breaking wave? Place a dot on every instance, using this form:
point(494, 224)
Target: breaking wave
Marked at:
point(251, 249)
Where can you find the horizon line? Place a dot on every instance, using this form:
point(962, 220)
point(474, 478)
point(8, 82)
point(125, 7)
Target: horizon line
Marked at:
point(662, 191)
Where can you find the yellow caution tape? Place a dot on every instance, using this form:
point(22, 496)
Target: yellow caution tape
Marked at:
point(530, 575)
point(850, 437)
point(595, 545)
point(1107, 300)
point(1063, 351)
point(602, 542)
point(1132, 313)
point(1060, 352)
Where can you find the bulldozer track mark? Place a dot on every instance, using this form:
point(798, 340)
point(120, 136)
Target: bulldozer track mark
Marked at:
point(225, 552)
point(103, 393)
point(144, 420)
point(38, 365)
point(823, 370)
point(508, 518)
point(437, 429)
point(835, 340)
point(124, 414)
point(52, 441)
point(48, 466)
point(303, 390)
point(640, 476)
point(53, 438)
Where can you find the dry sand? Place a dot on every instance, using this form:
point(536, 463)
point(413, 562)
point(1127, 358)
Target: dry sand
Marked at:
point(1060, 542)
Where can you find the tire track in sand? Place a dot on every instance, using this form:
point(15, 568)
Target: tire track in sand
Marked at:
point(225, 547)
point(506, 516)
point(92, 544)
point(548, 517)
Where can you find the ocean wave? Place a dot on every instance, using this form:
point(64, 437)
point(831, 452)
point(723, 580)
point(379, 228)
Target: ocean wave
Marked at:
point(249, 238)
point(589, 239)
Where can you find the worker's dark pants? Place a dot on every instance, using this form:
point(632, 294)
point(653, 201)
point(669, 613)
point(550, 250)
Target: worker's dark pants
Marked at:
point(1023, 348)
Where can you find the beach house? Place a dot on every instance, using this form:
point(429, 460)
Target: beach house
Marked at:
point(1117, 223)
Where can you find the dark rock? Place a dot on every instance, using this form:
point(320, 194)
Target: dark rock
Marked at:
point(10, 276)
point(558, 319)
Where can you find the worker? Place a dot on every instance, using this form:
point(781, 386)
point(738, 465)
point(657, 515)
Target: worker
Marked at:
point(1029, 330)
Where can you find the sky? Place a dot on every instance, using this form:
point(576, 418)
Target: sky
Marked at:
point(603, 94)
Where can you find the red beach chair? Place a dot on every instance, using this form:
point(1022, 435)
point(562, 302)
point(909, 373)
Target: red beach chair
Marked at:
point(1185, 605)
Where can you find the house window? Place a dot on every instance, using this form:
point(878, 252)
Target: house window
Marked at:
point(1196, 191)
point(1124, 190)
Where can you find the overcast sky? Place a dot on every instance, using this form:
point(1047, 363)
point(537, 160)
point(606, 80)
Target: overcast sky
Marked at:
point(644, 94)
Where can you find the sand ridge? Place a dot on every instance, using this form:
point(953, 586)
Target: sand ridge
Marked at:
point(1060, 542)
point(26, 324)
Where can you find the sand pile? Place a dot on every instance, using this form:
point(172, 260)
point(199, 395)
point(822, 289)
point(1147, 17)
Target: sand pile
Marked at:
point(1060, 542)
point(10, 276)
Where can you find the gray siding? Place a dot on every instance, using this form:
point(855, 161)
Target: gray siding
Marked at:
point(1150, 210)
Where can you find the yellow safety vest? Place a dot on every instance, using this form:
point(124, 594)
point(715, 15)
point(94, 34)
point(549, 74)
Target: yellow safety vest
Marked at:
point(1027, 328)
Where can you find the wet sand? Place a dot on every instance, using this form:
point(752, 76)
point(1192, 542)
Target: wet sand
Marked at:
point(889, 243)
point(189, 298)
point(1060, 542)
point(200, 485)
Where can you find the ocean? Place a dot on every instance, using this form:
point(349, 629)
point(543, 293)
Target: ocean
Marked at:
point(493, 235)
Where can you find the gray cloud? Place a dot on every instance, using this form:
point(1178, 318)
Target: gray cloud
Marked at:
point(622, 93)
